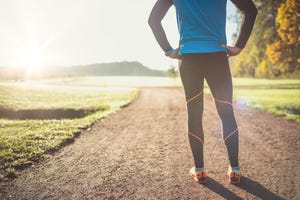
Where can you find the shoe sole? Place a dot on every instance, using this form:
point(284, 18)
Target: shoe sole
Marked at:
point(197, 180)
point(233, 180)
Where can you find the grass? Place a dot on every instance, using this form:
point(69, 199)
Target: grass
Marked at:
point(40, 96)
point(284, 102)
point(251, 82)
point(279, 97)
point(24, 141)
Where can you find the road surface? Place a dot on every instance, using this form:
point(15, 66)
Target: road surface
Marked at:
point(142, 152)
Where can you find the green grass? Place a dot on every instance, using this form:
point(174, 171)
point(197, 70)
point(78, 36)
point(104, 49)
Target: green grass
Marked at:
point(283, 102)
point(279, 97)
point(40, 96)
point(24, 141)
point(238, 82)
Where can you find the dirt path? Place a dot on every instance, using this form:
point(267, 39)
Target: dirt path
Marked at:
point(142, 152)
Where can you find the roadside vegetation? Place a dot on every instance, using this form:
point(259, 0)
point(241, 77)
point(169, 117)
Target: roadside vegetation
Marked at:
point(279, 97)
point(22, 142)
point(274, 47)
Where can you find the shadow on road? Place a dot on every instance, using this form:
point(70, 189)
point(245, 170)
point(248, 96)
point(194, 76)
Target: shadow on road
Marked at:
point(257, 189)
point(220, 189)
point(246, 184)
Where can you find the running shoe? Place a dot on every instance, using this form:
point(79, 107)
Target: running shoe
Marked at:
point(198, 174)
point(234, 175)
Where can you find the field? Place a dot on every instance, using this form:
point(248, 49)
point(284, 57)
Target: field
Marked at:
point(22, 141)
point(279, 97)
point(39, 117)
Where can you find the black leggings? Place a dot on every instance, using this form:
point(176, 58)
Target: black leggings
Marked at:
point(214, 68)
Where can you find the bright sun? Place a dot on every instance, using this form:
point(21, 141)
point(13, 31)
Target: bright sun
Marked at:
point(32, 57)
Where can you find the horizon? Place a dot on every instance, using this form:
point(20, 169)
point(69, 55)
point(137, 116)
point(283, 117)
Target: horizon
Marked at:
point(88, 64)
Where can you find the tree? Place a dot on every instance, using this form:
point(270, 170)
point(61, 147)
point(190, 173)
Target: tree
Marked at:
point(273, 48)
point(173, 73)
point(289, 30)
point(285, 50)
point(289, 19)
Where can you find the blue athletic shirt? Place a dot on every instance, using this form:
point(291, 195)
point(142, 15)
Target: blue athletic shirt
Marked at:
point(202, 25)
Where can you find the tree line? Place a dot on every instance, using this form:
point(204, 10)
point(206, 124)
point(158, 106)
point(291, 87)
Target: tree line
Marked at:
point(274, 47)
point(124, 68)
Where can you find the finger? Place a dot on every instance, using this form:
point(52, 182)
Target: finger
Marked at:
point(225, 46)
point(174, 56)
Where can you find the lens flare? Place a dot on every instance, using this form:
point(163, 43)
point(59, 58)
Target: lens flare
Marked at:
point(34, 57)
point(242, 102)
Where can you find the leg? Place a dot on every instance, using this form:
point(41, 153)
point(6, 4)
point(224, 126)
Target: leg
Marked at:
point(192, 80)
point(218, 77)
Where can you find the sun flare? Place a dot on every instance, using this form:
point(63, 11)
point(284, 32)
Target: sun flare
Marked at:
point(32, 56)
point(33, 59)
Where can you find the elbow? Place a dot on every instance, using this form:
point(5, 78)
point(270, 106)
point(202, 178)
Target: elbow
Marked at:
point(255, 11)
point(249, 9)
point(151, 21)
point(251, 13)
point(154, 22)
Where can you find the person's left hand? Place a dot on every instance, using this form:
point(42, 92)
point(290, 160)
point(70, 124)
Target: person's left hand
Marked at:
point(174, 54)
point(232, 51)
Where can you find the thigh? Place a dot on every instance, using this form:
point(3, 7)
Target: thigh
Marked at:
point(192, 77)
point(218, 77)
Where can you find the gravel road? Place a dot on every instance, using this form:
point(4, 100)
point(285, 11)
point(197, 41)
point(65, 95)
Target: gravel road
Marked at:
point(142, 152)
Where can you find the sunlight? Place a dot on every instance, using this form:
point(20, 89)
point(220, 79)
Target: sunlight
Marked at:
point(32, 56)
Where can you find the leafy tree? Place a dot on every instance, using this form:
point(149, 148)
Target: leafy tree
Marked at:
point(267, 54)
point(289, 20)
point(289, 31)
point(173, 73)
point(284, 51)
point(265, 33)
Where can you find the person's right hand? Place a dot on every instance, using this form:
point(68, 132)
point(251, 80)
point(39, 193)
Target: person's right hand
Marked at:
point(174, 54)
point(232, 51)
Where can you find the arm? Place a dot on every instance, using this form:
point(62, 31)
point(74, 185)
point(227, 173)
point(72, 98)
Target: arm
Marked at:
point(249, 12)
point(157, 14)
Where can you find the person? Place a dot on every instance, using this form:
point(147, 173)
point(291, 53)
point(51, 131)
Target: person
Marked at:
point(203, 54)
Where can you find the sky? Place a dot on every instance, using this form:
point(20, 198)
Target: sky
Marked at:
point(78, 32)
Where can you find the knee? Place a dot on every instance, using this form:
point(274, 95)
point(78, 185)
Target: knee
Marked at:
point(225, 111)
point(195, 110)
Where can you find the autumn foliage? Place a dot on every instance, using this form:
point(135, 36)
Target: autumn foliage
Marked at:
point(274, 47)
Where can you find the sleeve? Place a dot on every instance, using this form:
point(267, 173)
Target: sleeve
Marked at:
point(249, 12)
point(157, 14)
